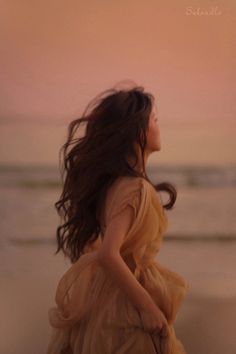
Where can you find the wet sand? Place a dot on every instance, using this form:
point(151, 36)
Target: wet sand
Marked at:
point(205, 323)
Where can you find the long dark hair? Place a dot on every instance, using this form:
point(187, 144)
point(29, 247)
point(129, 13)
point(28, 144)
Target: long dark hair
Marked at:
point(119, 118)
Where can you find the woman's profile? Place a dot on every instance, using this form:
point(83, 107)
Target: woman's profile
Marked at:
point(115, 298)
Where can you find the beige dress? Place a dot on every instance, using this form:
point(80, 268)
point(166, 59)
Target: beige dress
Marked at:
point(92, 314)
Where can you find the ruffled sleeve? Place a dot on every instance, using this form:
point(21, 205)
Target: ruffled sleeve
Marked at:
point(129, 192)
point(126, 193)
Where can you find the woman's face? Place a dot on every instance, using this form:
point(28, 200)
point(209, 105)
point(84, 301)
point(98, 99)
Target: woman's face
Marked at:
point(153, 133)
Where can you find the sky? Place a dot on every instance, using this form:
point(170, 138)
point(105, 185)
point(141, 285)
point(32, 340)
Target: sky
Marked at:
point(57, 55)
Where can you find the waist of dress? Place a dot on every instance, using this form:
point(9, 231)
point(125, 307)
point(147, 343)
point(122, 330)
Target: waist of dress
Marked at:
point(152, 266)
point(138, 269)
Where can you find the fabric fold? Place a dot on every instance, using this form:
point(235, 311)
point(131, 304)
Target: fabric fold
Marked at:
point(73, 295)
point(92, 314)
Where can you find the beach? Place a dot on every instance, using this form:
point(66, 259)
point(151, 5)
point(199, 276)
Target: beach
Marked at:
point(205, 322)
point(57, 57)
point(200, 244)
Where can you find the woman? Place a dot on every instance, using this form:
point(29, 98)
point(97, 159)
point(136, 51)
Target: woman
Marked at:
point(115, 298)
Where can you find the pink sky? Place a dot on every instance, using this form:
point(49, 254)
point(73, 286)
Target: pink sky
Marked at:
point(56, 55)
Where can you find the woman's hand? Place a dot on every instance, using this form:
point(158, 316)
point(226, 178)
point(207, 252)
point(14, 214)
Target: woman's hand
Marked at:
point(154, 321)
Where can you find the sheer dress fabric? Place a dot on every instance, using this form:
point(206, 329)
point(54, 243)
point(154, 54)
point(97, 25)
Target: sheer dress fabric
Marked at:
point(92, 315)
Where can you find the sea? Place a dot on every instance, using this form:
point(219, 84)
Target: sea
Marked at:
point(205, 207)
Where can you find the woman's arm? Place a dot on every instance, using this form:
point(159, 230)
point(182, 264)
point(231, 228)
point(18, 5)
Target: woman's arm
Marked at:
point(110, 258)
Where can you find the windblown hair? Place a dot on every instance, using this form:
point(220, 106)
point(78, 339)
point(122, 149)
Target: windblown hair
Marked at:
point(93, 161)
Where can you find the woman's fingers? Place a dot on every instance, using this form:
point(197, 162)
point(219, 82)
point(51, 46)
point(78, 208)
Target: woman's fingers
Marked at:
point(164, 331)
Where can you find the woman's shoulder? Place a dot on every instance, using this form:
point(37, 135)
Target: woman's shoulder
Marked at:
point(129, 185)
point(124, 191)
point(130, 181)
point(139, 186)
point(125, 187)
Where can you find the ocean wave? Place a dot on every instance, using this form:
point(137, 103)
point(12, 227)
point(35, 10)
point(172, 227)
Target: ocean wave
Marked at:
point(190, 176)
